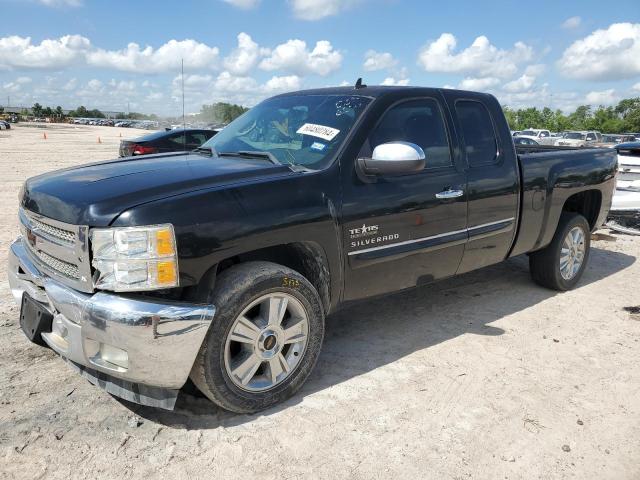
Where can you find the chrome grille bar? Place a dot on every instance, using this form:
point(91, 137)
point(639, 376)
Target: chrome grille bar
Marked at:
point(59, 249)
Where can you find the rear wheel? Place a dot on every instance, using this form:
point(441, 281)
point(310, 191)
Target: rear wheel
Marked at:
point(264, 340)
point(560, 265)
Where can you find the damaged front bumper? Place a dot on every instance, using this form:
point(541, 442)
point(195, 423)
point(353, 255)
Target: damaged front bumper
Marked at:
point(137, 348)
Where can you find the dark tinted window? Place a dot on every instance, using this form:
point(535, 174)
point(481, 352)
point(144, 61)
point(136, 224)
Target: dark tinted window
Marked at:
point(478, 133)
point(179, 139)
point(419, 122)
point(197, 138)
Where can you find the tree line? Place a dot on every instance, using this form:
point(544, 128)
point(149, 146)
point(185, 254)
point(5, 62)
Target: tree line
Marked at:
point(220, 112)
point(623, 117)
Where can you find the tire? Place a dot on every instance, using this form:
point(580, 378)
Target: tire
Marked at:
point(545, 264)
point(221, 356)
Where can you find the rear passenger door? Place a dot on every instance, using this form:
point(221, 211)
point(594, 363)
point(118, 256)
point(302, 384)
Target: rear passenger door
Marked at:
point(492, 180)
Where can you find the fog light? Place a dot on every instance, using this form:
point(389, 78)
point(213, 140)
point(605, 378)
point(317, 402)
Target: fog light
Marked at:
point(106, 356)
point(115, 355)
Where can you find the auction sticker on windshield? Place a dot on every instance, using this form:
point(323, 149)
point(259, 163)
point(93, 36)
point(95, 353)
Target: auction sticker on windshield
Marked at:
point(320, 131)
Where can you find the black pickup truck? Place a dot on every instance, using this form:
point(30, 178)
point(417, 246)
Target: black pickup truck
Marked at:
point(221, 264)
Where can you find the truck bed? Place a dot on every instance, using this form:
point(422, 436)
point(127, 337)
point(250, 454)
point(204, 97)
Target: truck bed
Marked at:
point(550, 175)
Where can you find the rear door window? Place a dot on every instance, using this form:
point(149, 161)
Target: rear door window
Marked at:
point(478, 133)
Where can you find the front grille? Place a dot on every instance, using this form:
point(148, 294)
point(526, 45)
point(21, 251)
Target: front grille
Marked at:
point(61, 250)
point(55, 232)
point(61, 267)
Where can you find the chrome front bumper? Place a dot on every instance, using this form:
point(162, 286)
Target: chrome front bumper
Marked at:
point(141, 349)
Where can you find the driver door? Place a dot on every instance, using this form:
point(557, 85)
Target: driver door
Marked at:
point(403, 231)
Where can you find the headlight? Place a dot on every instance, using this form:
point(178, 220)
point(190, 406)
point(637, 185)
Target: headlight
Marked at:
point(134, 258)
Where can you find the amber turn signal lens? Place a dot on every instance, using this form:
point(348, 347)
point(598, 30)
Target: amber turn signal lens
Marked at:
point(164, 242)
point(166, 273)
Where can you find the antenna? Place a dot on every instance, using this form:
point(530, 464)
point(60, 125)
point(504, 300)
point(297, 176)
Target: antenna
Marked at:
point(359, 84)
point(184, 123)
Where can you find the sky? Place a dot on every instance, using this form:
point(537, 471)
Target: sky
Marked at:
point(126, 54)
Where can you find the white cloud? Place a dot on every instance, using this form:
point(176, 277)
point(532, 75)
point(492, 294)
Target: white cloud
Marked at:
point(282, 84)
point(226, 82)
point(636, 87)
point(294, 57)
point(16, 85)
point(243, 4)
point(317, 9)
point(154, 96)
point(19, 52)
point(535, 70)
point(571, 23)
point(603, 97)
point(610, 54)
point(245, 56)
point(393, 81)
point(521, 84)
point(481, 59)
point(71, 84)
point(166, 58)
point(478, 83)
point(374, 61)
point(61, 3)
point(94, 84)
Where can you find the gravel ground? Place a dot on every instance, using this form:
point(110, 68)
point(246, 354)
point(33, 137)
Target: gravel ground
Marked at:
point(482, 376)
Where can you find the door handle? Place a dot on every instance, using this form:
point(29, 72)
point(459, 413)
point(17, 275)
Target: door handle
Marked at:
point(450, 193)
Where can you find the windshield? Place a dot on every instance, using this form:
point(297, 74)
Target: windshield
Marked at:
point(574, 136)
point(298, 130)
point(528, 133)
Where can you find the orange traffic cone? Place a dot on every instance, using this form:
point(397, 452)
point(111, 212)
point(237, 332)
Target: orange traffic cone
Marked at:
point(44, 135)
point(99, 141)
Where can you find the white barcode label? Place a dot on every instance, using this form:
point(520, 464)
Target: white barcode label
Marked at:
point(320, 131)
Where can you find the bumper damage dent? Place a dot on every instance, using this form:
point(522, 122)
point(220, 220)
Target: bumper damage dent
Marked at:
point(137, 348)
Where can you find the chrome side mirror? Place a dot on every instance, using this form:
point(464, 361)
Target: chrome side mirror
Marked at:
point(394, 158)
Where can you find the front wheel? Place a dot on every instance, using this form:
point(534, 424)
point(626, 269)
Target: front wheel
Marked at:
point(264, 340)
point(560, 265)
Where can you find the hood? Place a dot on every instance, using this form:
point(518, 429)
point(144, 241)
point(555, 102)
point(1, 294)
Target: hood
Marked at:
point(95, 194)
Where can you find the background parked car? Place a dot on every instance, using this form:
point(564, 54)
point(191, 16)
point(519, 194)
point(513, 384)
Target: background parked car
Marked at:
point(178, 140)
point(524, 141)
point(4, 125)
point(543, 137)
point(611, 140)
point(579, 139)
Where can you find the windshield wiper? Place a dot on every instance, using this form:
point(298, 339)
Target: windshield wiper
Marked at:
point(252, 154)
point(207, 151)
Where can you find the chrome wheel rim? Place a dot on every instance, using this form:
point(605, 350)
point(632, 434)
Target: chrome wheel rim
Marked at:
point(266, 342)
point(572, 253)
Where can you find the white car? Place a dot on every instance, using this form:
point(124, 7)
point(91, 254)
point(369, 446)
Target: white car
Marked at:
point(578, 139)
point(624, 214)
point(543, 137)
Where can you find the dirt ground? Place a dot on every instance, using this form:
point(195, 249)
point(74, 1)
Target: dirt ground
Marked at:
point(482, 376)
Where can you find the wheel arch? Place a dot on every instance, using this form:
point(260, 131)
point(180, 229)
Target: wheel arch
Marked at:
point(307, 258)
point(587, 203)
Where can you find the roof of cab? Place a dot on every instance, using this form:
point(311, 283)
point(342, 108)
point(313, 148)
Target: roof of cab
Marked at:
point(369, 91)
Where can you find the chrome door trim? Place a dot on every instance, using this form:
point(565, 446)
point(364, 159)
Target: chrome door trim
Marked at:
point(406, 242)
point(472, 233)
